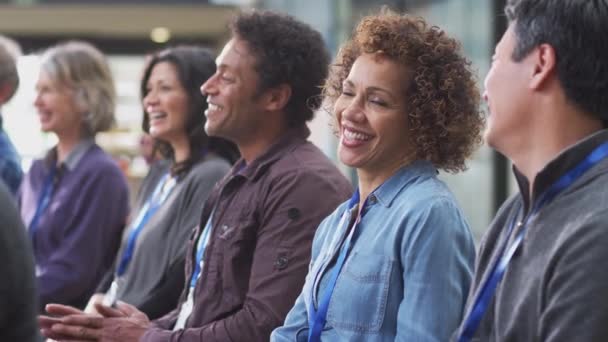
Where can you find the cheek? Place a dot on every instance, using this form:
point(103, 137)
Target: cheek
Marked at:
point(337, 111)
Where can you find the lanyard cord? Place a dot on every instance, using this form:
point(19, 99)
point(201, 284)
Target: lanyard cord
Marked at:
point(43, 201)
point(163, 190)
point(488, 288)
point(317, 317)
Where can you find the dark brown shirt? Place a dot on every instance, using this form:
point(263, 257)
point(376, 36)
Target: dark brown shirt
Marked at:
point(257, 257)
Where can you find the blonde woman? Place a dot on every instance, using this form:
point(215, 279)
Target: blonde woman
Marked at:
point(74, 201)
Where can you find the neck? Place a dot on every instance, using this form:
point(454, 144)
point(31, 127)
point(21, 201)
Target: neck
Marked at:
point(270, 131)
point(557, 134)
point(369, 180)
point(181, 149)
point(65, 145)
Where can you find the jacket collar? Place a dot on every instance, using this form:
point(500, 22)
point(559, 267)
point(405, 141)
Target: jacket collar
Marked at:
point(388, 191)
point(71, 161)
point(283, 145)
point(562, 163)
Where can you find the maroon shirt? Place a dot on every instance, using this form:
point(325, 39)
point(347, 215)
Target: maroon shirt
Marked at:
point(259, 250)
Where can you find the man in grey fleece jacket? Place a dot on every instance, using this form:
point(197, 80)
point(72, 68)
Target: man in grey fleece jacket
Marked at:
point(547, 92)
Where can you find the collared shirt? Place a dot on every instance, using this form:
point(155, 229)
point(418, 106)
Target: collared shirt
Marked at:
point(255, 262)
point(555, 287)
point(10, 162)
point(78, 233)
point(408, 272)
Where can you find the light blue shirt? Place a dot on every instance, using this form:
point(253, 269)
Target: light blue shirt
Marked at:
point(407, 275)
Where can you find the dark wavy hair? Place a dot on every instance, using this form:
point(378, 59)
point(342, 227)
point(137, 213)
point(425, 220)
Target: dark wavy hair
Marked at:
point(286, 51)
point(194, 66)
point(445, 120)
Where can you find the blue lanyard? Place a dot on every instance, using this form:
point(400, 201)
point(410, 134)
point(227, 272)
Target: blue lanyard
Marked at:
point(317, 317)
point(200, 250)
point(43, 201)
point(484, 296)
point(145, 213)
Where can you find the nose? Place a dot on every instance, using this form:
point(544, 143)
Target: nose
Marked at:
point(150, 99)
point(353, 111)
point(209, 87)
point(38, 100)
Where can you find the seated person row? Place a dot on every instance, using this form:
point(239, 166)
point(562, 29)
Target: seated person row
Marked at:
point(148, 270)
point(247, 261)
point(171, 195)
point(246, 264)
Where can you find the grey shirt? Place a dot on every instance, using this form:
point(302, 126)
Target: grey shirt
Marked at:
point(154, 277)
point(18, 307)
point(555, 287)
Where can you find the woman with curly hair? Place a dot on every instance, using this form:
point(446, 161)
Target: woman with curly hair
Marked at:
point(394, 262)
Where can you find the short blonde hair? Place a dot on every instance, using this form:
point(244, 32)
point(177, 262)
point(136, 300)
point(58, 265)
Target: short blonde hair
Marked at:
point(84, 69)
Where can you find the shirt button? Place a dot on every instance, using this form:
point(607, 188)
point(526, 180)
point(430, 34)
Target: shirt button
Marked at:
point(372, 199)
point(281, 263)
point(293, 213)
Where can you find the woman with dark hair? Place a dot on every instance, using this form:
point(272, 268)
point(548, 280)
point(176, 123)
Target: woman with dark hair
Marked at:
point(148, 270)
point(394, 262)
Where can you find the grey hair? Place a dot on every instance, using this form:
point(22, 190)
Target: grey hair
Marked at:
point(9, 53)
point(84, 69)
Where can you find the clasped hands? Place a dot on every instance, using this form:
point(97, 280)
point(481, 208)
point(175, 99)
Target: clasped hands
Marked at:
point(65, 323)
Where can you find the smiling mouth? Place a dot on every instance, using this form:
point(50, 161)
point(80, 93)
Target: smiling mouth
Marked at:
point(214, 107)
point(157, 116)
point(355, 136)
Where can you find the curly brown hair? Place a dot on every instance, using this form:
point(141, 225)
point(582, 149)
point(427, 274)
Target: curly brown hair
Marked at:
point(445, 120)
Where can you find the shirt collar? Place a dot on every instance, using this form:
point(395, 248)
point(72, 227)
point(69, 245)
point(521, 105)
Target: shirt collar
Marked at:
point(71, 161)
point(277, 150)
point(562, 163)
point(388, 191)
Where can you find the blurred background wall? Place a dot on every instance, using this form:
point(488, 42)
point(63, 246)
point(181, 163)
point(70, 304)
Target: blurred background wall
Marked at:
point(127, 30)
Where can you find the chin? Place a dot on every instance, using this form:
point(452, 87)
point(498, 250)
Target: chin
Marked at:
point(350, 162)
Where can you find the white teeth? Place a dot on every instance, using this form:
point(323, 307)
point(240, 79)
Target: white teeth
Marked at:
point(351, 135)
point(214, 107)
point(157, 115)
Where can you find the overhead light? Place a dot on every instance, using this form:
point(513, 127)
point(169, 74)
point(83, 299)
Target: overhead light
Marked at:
point(160, 35)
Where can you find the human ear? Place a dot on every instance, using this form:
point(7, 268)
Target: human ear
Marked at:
point(278, 97)
point(544, 64)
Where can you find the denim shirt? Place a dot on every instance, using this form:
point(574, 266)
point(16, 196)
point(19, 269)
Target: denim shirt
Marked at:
point(407, 274)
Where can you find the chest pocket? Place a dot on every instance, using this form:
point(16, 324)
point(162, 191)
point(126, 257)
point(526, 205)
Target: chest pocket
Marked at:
point(358, 303)
point(236, 241)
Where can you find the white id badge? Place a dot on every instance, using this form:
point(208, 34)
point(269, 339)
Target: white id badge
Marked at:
point(185, 311)
point(110, 297)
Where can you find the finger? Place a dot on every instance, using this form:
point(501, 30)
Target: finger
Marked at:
point(108, 312)
point(84, 320)
point(47, 321)
point(61, 310)
point(75, 333)
point(128, 309)
point(54, 337)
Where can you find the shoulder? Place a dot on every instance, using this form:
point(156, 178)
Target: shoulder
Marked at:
point(208, 167)
point(427, 195)
point(331, 221)
point(310, 166)
point(426, 210)
point(97, 161)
